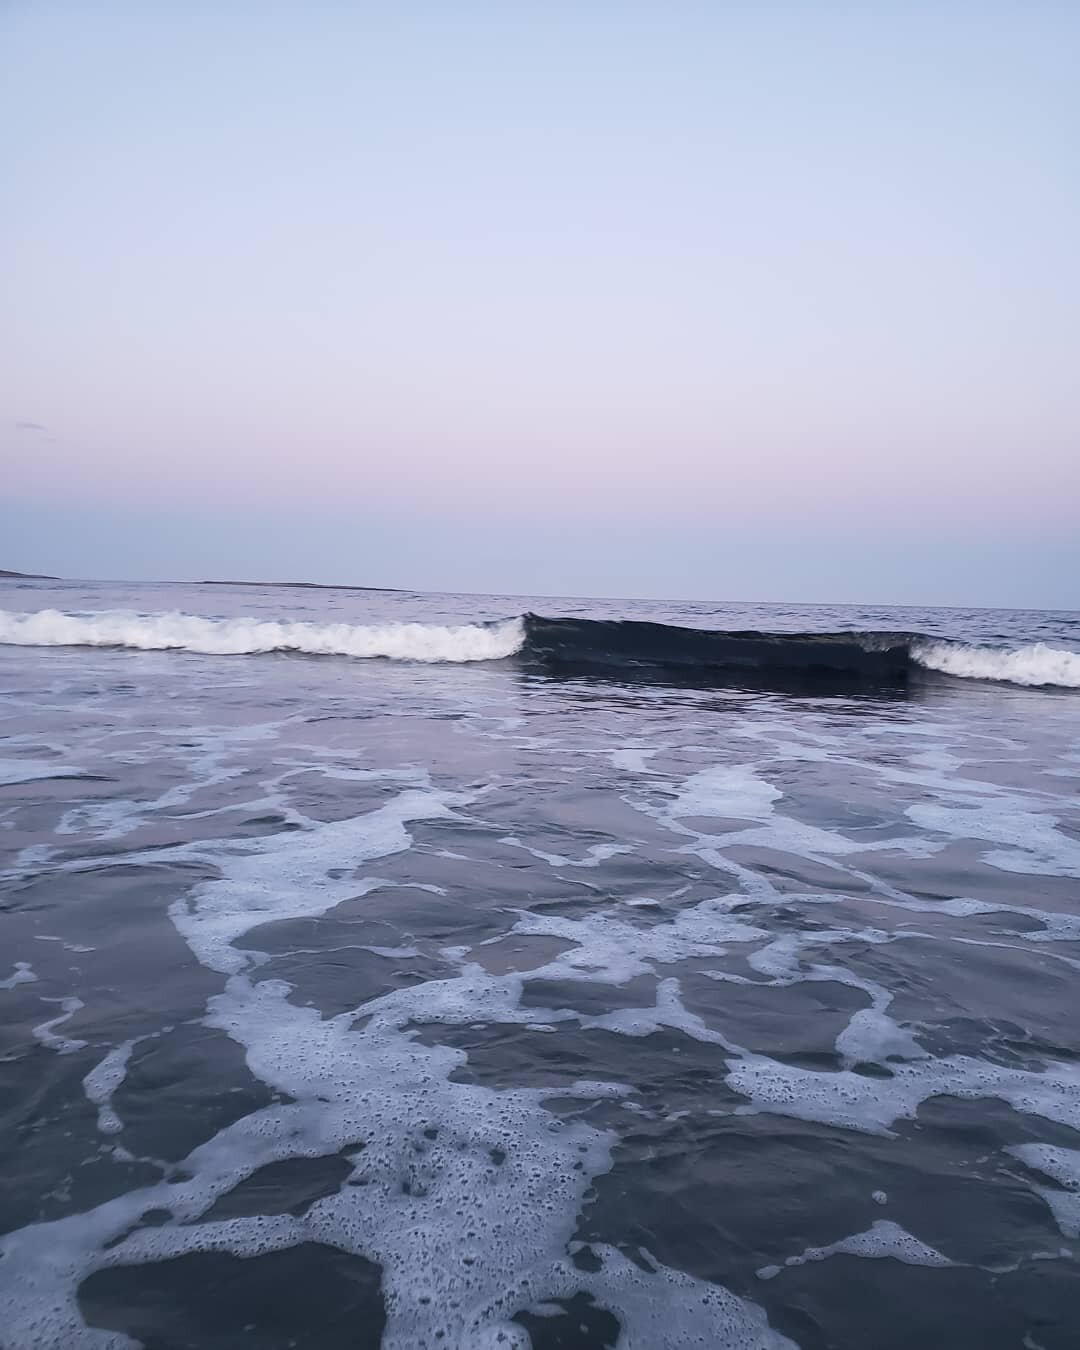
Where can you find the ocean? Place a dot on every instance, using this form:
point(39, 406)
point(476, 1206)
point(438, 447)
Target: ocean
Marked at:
point(403, 970)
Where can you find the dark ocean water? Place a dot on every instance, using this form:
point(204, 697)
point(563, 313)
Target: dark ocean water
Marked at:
point(527, 999)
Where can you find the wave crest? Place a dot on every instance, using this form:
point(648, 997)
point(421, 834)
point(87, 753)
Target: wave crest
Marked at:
point(611, 646)
point(232, 637)
point(1035, 665)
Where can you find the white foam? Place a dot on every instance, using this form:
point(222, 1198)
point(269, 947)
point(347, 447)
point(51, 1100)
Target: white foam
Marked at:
point(46, 1032)
point(871, 1035)
point(664, 1309)
point(596, 854)
point(464, 1241)
point(1063, 1166)
point(228, 637)
point(1033, 843)
point(79, 947)
point(632, 760)
point(288, 876)
point(738, 792)
point(731, 790)
point(610, 949)
point(871, 1105)
point(24, 974)
point(1035, 665)
point(103, 1080)
point(467, 1197)
point(882, 1239)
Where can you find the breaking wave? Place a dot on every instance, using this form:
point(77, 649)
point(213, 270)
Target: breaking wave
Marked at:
point(1035, 665)
point(233, 637)
point(591, 645)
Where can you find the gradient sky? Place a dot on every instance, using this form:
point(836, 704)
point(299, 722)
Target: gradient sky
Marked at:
point(704, 300)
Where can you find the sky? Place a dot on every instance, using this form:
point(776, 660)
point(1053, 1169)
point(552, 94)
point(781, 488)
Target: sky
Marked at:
point(689, 299)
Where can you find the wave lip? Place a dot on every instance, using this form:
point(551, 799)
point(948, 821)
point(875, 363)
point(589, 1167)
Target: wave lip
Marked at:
point(1035, 665)
point(233, 637)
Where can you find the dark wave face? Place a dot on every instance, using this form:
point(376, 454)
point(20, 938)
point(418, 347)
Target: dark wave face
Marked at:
point(632, 645)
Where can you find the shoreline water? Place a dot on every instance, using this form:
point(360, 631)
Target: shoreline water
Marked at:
point(475, 1003)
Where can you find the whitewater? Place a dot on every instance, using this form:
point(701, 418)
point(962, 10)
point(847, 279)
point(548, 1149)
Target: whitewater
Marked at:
point(247, 636)
point(1036, 664)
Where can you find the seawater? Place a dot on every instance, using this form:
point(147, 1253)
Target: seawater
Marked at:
point(365, 984)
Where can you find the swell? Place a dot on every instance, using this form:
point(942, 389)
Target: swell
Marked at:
point(599, 646)
point(789, 658)
point(631, 644)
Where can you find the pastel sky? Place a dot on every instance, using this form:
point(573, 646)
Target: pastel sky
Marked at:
point(690, 299)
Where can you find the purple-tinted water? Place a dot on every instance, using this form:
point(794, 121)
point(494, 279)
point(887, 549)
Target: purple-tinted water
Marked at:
point(452, 1003)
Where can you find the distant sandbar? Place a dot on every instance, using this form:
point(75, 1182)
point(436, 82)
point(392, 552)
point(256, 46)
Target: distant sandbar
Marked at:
point(305, 585)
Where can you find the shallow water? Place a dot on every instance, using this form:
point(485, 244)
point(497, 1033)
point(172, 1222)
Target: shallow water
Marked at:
point(357, 1002)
